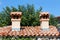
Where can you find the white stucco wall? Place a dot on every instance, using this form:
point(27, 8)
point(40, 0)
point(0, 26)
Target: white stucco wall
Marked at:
point(45, 24)
point(16, 25)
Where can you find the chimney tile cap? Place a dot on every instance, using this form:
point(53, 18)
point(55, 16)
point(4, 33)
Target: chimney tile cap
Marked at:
point(42, 13)
point(20, 13)
point(44, 19)
point(15, 19)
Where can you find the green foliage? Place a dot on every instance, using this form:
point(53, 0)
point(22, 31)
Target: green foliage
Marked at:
point(53, 20)
point(17, 38)
point(5, 17)
point(30, 16)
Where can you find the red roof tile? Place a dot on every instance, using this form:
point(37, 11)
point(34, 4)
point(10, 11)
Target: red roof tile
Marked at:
point(29, 31)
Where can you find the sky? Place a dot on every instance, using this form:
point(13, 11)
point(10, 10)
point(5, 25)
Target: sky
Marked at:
point(51, 6)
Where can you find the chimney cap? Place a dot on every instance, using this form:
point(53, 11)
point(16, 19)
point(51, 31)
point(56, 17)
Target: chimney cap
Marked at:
point(44, 13)
point(16, 13)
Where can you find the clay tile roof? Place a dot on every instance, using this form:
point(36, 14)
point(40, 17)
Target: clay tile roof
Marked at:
point(29, 31)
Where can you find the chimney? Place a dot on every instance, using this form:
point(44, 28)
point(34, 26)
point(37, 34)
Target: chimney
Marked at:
point(16, 19)
point(44, 18)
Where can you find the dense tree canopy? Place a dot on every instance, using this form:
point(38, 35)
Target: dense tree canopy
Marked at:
point(53, 20)
point(30, 16)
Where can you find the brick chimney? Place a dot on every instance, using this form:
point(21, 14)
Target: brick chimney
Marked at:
point(44, 18)
point(16, 19)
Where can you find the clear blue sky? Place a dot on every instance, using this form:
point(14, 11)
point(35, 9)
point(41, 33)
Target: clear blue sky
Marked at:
point(52, 6)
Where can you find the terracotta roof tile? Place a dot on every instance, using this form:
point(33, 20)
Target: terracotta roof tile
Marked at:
point(29, 31)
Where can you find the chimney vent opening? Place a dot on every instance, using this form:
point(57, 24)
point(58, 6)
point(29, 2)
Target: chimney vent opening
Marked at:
point(44, 16)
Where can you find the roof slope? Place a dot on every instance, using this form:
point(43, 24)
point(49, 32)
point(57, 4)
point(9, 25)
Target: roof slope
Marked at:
point(29, 31)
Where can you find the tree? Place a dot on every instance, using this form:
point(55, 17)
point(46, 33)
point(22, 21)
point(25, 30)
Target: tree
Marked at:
point(30, 16)
point(53, 20)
